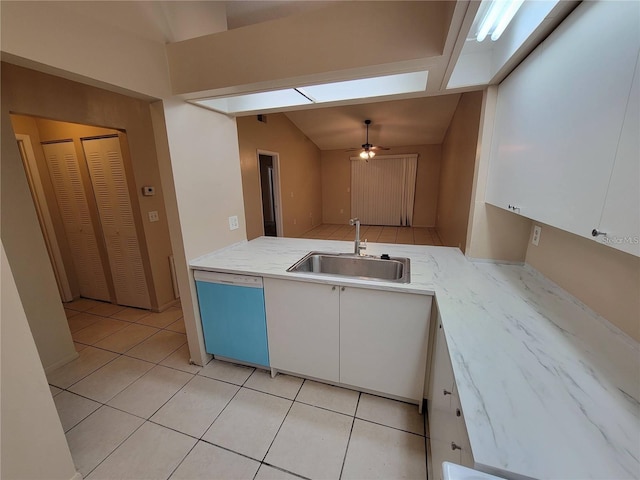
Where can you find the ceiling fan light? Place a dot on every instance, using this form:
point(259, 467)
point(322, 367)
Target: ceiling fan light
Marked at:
point(364, 154)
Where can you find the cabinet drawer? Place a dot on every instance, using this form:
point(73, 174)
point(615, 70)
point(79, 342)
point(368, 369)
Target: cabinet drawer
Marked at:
point(441, 452)
point(461, 435)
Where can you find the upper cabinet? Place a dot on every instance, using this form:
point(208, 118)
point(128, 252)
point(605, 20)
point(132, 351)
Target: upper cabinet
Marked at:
point(565, 142)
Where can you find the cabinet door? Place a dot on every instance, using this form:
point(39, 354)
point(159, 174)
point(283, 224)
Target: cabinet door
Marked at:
point(303, 327)
point(383, 341)
point(621, 214)
point(559, 116)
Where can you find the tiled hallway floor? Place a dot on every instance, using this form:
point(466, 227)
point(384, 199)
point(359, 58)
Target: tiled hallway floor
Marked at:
point(133, 407)
point(376, 234)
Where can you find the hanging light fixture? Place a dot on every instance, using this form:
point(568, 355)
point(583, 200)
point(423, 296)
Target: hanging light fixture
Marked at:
point(367, 151)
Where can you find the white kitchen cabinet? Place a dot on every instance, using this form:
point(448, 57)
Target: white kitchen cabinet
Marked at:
point(448, 436)
point(303, 328)
point(383, 341)
point(369, 339)
point(621, 215)
point(559, 123)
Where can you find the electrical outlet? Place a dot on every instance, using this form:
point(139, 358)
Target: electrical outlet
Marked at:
point(537, 231)
point(233, 223)
point(153, 216)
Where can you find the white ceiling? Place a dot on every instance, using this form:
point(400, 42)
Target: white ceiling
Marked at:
point(413, 121)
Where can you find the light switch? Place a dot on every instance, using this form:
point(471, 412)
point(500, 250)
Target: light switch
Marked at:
point(233, 223)
point(153, 216)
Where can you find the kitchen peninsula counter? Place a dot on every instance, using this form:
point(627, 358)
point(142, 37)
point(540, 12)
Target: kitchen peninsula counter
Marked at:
point(549, 389)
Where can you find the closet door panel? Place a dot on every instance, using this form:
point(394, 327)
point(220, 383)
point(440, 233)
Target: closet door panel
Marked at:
point(72, 201)
point(104, 159)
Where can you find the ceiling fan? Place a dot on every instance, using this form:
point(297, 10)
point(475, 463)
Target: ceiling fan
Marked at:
point(368, 149)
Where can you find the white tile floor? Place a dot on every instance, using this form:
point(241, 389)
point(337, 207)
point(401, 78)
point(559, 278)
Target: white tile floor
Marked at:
point(133, 407)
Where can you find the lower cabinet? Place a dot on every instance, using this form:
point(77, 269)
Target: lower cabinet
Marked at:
point(383, 341)
point(303, 327)
point(370, 339)
point(448, 436)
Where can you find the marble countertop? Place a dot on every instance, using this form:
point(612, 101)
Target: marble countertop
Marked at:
point(549, 389)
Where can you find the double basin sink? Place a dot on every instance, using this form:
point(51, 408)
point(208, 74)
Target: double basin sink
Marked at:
point(385, 268)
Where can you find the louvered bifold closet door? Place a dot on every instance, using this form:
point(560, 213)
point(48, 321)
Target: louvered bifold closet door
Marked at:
point(104, 159)
point(72, 201)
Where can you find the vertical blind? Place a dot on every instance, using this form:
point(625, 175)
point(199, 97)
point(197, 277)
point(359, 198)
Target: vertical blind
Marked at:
point(383, 189)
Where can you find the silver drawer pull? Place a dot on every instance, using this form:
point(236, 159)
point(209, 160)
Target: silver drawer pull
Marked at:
point(446, 392)
point(455, 447)
point(458, 412)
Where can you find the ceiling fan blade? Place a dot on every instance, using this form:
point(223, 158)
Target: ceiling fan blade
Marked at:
point(376, 147)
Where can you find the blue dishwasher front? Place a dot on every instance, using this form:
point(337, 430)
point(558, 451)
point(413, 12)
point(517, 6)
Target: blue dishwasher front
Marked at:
point(233, 316)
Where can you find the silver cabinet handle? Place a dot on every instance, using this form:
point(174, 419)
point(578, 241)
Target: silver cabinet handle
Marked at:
point(455, 447)
point(342, 289)
point(595, 232)
point(458, 412)
point(446, 392)
point(333, 288)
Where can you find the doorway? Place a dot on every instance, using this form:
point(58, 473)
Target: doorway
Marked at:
point(268, 165)
point(81, 183)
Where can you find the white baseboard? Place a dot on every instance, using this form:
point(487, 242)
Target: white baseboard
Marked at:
point(61, 362)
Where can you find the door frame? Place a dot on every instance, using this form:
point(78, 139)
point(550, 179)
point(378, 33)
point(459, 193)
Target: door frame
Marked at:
point(277, 198)
point(44, 216)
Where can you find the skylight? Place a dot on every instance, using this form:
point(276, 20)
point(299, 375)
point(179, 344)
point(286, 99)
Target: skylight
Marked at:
point(324, 93)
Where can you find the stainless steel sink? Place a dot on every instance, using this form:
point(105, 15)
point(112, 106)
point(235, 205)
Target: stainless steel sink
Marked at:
point(394, 269)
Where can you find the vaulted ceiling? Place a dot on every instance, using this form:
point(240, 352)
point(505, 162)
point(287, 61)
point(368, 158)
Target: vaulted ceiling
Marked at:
point(422, 119)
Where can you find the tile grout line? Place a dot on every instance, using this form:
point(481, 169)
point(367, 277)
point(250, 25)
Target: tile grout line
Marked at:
point(346, 451)
point(283, 420)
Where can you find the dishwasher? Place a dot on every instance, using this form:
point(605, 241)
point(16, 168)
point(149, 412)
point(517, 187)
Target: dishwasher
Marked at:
point(233, 316)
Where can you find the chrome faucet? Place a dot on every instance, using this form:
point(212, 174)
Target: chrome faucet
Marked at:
point(357, 245)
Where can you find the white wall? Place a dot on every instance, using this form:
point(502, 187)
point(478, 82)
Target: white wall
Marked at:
point(200, 169)
point(33, 442)
point(55, 39)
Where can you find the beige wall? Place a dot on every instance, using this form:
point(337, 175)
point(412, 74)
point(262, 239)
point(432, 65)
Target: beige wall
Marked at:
point(53, 38)
point(457, 171)
point(604, 278)
point(27, 254)
point(41, 95)
point(288, 50)
point(33, 442)
point(336, 183)
point(201, 174)
point(300, 174)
